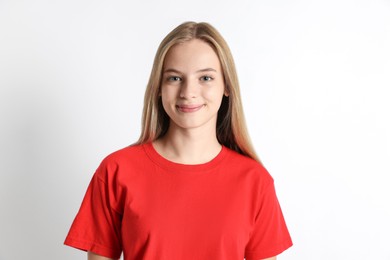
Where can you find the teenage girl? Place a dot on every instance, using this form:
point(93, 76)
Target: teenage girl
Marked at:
point(192, 186)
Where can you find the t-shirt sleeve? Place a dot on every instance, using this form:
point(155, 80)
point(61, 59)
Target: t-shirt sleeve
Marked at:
point(270, 235)
point(97, 225)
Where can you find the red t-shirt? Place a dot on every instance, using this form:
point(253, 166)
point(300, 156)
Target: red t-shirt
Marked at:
point(151, 208)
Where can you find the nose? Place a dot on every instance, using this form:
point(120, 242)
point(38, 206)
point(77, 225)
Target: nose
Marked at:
point(189, 89)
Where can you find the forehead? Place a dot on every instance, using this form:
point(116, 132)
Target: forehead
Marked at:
point(192, 55)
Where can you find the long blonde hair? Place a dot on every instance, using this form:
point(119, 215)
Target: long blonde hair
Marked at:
point(231, 127)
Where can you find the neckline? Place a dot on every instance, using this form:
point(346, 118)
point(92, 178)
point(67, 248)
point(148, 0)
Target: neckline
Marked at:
point(178, 167)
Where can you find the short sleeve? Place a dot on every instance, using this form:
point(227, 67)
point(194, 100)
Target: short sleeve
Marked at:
point(97, 225)
point(270, 235)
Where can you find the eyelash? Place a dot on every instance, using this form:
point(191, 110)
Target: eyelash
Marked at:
point(174, 78)
point(209, 78)
point(177, 78)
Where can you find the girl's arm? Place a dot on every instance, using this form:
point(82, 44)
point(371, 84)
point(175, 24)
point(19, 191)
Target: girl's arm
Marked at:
point(93, 256)
point(271, 258)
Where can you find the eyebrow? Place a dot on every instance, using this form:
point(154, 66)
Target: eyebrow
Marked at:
point(202, 70)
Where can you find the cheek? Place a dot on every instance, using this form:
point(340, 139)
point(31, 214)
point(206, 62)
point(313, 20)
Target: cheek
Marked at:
point(168, 92)
point(167, 100)
point(215, 94)
point(165, 103)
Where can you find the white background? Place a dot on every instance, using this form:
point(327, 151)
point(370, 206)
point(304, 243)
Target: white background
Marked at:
point(315, 79)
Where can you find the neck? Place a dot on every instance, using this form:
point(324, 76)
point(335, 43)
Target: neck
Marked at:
point(188, 146)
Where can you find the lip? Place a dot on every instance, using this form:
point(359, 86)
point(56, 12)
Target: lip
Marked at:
point(188, 108)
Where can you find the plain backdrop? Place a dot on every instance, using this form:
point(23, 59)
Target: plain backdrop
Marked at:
point(315, 81)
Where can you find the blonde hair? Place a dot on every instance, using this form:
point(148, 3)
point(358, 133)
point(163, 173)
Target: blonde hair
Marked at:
point(231, 127)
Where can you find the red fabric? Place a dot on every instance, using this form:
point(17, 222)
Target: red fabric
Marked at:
point(152, 208)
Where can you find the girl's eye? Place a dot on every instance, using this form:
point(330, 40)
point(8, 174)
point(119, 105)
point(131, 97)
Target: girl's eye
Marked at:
point(206, 78)
point(174, 78)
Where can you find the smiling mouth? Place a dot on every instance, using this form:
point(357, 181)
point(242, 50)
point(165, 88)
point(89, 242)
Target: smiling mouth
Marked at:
point(188, 108)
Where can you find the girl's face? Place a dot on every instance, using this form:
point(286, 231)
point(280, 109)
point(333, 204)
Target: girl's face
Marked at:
point(192, 85)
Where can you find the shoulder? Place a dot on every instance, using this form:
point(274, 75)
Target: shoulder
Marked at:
point(237, 157)
point(125, 154)
point(122, 160)
point(248, 167)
